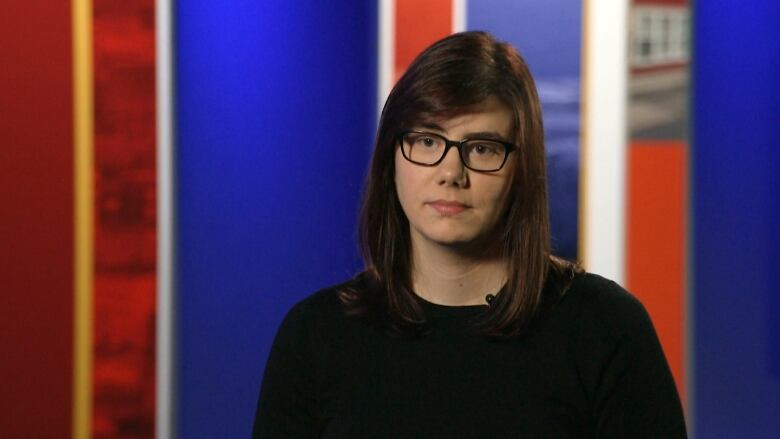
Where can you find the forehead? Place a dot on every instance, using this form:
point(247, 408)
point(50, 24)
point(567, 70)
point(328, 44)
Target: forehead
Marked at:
point(488, 116)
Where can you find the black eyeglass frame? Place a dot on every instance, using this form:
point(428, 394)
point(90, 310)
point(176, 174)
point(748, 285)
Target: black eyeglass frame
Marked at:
point(508, 149)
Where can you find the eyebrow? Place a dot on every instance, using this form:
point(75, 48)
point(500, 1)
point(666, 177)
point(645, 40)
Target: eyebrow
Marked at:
point(490, 135)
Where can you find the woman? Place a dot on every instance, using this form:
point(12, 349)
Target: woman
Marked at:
point(464, 324)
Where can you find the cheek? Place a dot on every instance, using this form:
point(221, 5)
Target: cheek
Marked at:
point(506, 185)
point(404, 184)
point(499, 196)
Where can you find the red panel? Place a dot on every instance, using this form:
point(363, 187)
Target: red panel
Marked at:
point(657, 191)
point(125, 228)
point(36, 219)
point(418, 24)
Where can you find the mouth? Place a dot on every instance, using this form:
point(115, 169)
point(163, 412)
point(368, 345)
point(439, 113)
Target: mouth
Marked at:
point(448, 208)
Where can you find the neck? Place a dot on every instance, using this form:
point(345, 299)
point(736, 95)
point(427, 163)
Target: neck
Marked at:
point(453, 276)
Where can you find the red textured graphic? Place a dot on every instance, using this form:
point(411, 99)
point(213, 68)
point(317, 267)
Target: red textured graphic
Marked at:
point(125, 219)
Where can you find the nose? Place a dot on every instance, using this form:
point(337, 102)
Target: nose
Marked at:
point(451, 171)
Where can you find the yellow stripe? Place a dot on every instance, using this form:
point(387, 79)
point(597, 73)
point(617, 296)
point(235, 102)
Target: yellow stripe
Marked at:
point(83, 115)
point(582, 205)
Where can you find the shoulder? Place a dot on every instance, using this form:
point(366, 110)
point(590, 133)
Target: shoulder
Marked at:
point(605, 306)
point(620, 362)
point(602, 292)
point(321, 308)
point(314, 325)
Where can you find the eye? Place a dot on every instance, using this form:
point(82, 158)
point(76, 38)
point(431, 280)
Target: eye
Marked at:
point(486, 148)
point(425, 141)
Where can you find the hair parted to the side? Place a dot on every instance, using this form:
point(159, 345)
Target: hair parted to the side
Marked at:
point(448, 78)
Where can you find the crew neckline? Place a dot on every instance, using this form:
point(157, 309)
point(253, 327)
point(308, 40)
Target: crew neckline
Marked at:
point(440, 310)
point(480, 306)
point(439, 305)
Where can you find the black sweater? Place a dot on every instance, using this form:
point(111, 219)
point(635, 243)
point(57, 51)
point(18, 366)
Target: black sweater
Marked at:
point(594, 368)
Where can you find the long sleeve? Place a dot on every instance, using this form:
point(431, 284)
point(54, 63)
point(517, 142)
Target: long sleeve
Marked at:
point(632, 390)
point(286, 406)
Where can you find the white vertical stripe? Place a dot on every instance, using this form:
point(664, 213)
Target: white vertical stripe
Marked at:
point(164, 422)
point(459, 15)
point(386, 68)
point(604, 137)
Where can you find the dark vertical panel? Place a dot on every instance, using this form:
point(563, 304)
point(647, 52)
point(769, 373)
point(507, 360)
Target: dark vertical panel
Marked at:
point(36, 219)
point(736, 215)
point(275, 120)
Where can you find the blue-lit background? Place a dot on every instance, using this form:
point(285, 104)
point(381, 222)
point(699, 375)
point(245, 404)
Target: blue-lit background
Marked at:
point(275, 118)
point(735, 216)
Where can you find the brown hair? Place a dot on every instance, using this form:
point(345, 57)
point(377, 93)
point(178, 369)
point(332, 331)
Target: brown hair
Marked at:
point(448, 78)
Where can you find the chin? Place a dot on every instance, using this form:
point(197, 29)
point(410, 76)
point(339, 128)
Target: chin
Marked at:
point(451, 237)
point(453, 242)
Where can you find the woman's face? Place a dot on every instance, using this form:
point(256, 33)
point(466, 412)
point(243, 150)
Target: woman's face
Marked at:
point(449, 204)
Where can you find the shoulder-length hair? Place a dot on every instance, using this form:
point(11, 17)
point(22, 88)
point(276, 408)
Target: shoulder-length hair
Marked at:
point(454, 74)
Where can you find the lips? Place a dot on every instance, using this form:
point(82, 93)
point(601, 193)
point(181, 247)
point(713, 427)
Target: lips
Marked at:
point(448, 208)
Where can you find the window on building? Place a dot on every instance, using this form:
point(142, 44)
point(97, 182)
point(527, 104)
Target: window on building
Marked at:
point(659, 35)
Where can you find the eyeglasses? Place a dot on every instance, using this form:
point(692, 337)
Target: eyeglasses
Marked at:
point(428, 149)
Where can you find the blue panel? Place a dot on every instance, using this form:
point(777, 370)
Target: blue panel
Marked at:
point(275, 122)
point(736, 213)
point(547, 34)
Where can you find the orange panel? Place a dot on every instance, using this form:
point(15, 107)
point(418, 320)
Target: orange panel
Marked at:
point(417, 25)
point(657, 188)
